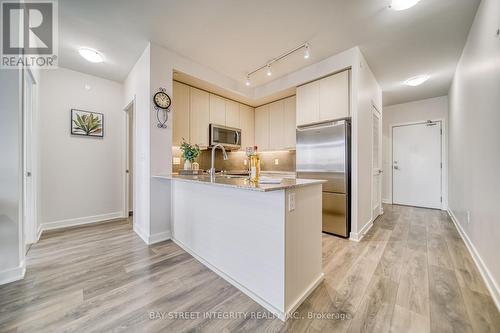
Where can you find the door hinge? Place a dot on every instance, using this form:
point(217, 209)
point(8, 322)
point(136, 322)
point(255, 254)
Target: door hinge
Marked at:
point(441, 131)
point(441, 199)
point(441, 164)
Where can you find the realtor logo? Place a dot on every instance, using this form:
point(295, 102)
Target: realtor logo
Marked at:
point(29, 34)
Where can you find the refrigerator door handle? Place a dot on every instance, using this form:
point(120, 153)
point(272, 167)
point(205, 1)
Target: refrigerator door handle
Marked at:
point(316, 126)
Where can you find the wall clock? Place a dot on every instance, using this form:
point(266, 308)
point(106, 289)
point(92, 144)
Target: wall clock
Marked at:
point(161, 102)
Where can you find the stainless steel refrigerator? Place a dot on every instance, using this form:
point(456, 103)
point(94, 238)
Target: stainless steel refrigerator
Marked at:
point(323, 152)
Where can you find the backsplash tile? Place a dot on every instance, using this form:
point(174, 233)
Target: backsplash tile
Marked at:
point(236, 160)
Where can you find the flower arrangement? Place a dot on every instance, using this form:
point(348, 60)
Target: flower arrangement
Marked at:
point(189, 152)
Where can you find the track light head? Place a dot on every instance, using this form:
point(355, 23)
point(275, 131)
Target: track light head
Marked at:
point(269, 73)
point(306, 51)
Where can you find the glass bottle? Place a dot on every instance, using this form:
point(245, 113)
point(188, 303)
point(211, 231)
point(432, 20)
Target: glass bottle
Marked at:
point(254, 166)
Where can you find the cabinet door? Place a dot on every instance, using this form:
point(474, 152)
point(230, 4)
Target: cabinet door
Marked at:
point(276, 125)
point(290, 127)
point(217, 110)
point(334, 96)
point(308, 103)
point(180, 110)
point(247, 126)
point(199, 117)
point(232, 114)
point(262, 127)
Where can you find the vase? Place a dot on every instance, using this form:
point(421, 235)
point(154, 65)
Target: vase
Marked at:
point(187, 165)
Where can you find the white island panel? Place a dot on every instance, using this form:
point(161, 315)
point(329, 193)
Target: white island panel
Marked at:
point(237, 233)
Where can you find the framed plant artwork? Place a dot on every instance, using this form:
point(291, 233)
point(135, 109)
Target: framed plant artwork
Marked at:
point(87, 123)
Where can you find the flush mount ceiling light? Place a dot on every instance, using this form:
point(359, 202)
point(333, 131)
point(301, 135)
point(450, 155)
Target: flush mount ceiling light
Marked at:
point(416, 80)
point(91, 55)
point(403, 4)
point(304, 46)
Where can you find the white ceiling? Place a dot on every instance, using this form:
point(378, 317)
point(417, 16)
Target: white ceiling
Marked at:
point(235, 36)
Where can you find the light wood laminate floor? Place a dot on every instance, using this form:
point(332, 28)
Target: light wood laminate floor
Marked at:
point(411, 273)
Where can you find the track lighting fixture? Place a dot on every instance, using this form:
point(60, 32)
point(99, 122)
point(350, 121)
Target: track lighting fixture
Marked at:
point(307, 54)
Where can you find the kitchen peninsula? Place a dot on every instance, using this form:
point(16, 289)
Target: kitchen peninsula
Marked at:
point(265, 239)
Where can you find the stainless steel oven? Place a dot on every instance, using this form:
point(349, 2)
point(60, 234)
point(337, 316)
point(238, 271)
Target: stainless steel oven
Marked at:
point(229, 137)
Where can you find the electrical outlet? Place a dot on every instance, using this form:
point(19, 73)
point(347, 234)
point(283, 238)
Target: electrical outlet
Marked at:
point(468, 217)
point(276, 161)
point(177, 160)
point(291, 201)
point(245, 162)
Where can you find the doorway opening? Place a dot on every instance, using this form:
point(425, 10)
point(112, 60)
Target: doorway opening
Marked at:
point(417, 164)
point(129, 160)
point(376, 164)
point(29, 161)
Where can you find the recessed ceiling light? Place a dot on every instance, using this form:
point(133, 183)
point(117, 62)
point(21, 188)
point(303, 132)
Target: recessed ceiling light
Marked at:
point(91, 55)
point(403, 4)
point(416, 80)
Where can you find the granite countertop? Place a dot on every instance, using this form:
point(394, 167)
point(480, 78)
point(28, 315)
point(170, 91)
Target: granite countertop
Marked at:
point(243, 183)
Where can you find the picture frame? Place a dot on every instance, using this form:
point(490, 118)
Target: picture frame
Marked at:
point(87, 123)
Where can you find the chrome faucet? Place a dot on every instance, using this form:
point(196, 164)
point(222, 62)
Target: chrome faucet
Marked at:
point(211, 172)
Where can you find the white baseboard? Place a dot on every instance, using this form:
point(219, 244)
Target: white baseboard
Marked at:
point(154, 238)
point(358, 236)
point(39, 233)
point(278, 313)
point(80, 221)
point(387, 201)
point(13, 274)
point(306, 294)
point(159, 237)
point(490, 282)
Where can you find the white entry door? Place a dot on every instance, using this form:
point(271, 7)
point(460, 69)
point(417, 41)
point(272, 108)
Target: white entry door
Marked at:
point(29, 221)
point(376, 165)
point(416, 163)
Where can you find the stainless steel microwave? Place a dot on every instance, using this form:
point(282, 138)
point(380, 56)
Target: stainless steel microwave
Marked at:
point(229, 137)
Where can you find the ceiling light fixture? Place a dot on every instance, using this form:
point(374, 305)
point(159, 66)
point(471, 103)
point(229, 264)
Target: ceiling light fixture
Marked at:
point(91, 55)
point(416, 80)
point(403, 4)
point(306, 52)
point(304, 46)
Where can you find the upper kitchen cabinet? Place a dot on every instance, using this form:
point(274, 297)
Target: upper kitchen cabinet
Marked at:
point(308, 103)
point(217, 110)
point(324, 99)
point(232, 114)
point(289, 123)
point(199, 117)
point(180, 110)
point(247, 126)
point(276, 125)
point(262, 127)
point(334, 96)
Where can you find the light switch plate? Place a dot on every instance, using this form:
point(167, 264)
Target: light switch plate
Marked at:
point(291, 201)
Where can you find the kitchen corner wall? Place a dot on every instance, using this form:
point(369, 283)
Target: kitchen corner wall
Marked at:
point(235, 161)
point(474, 155)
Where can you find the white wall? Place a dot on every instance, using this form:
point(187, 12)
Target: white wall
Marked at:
point(369, 95)
point(136, 90)
point(81, 177)
point(474, 143)
point(413, 112)
point(11, 242)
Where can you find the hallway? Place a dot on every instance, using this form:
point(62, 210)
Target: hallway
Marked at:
point(411, 273)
